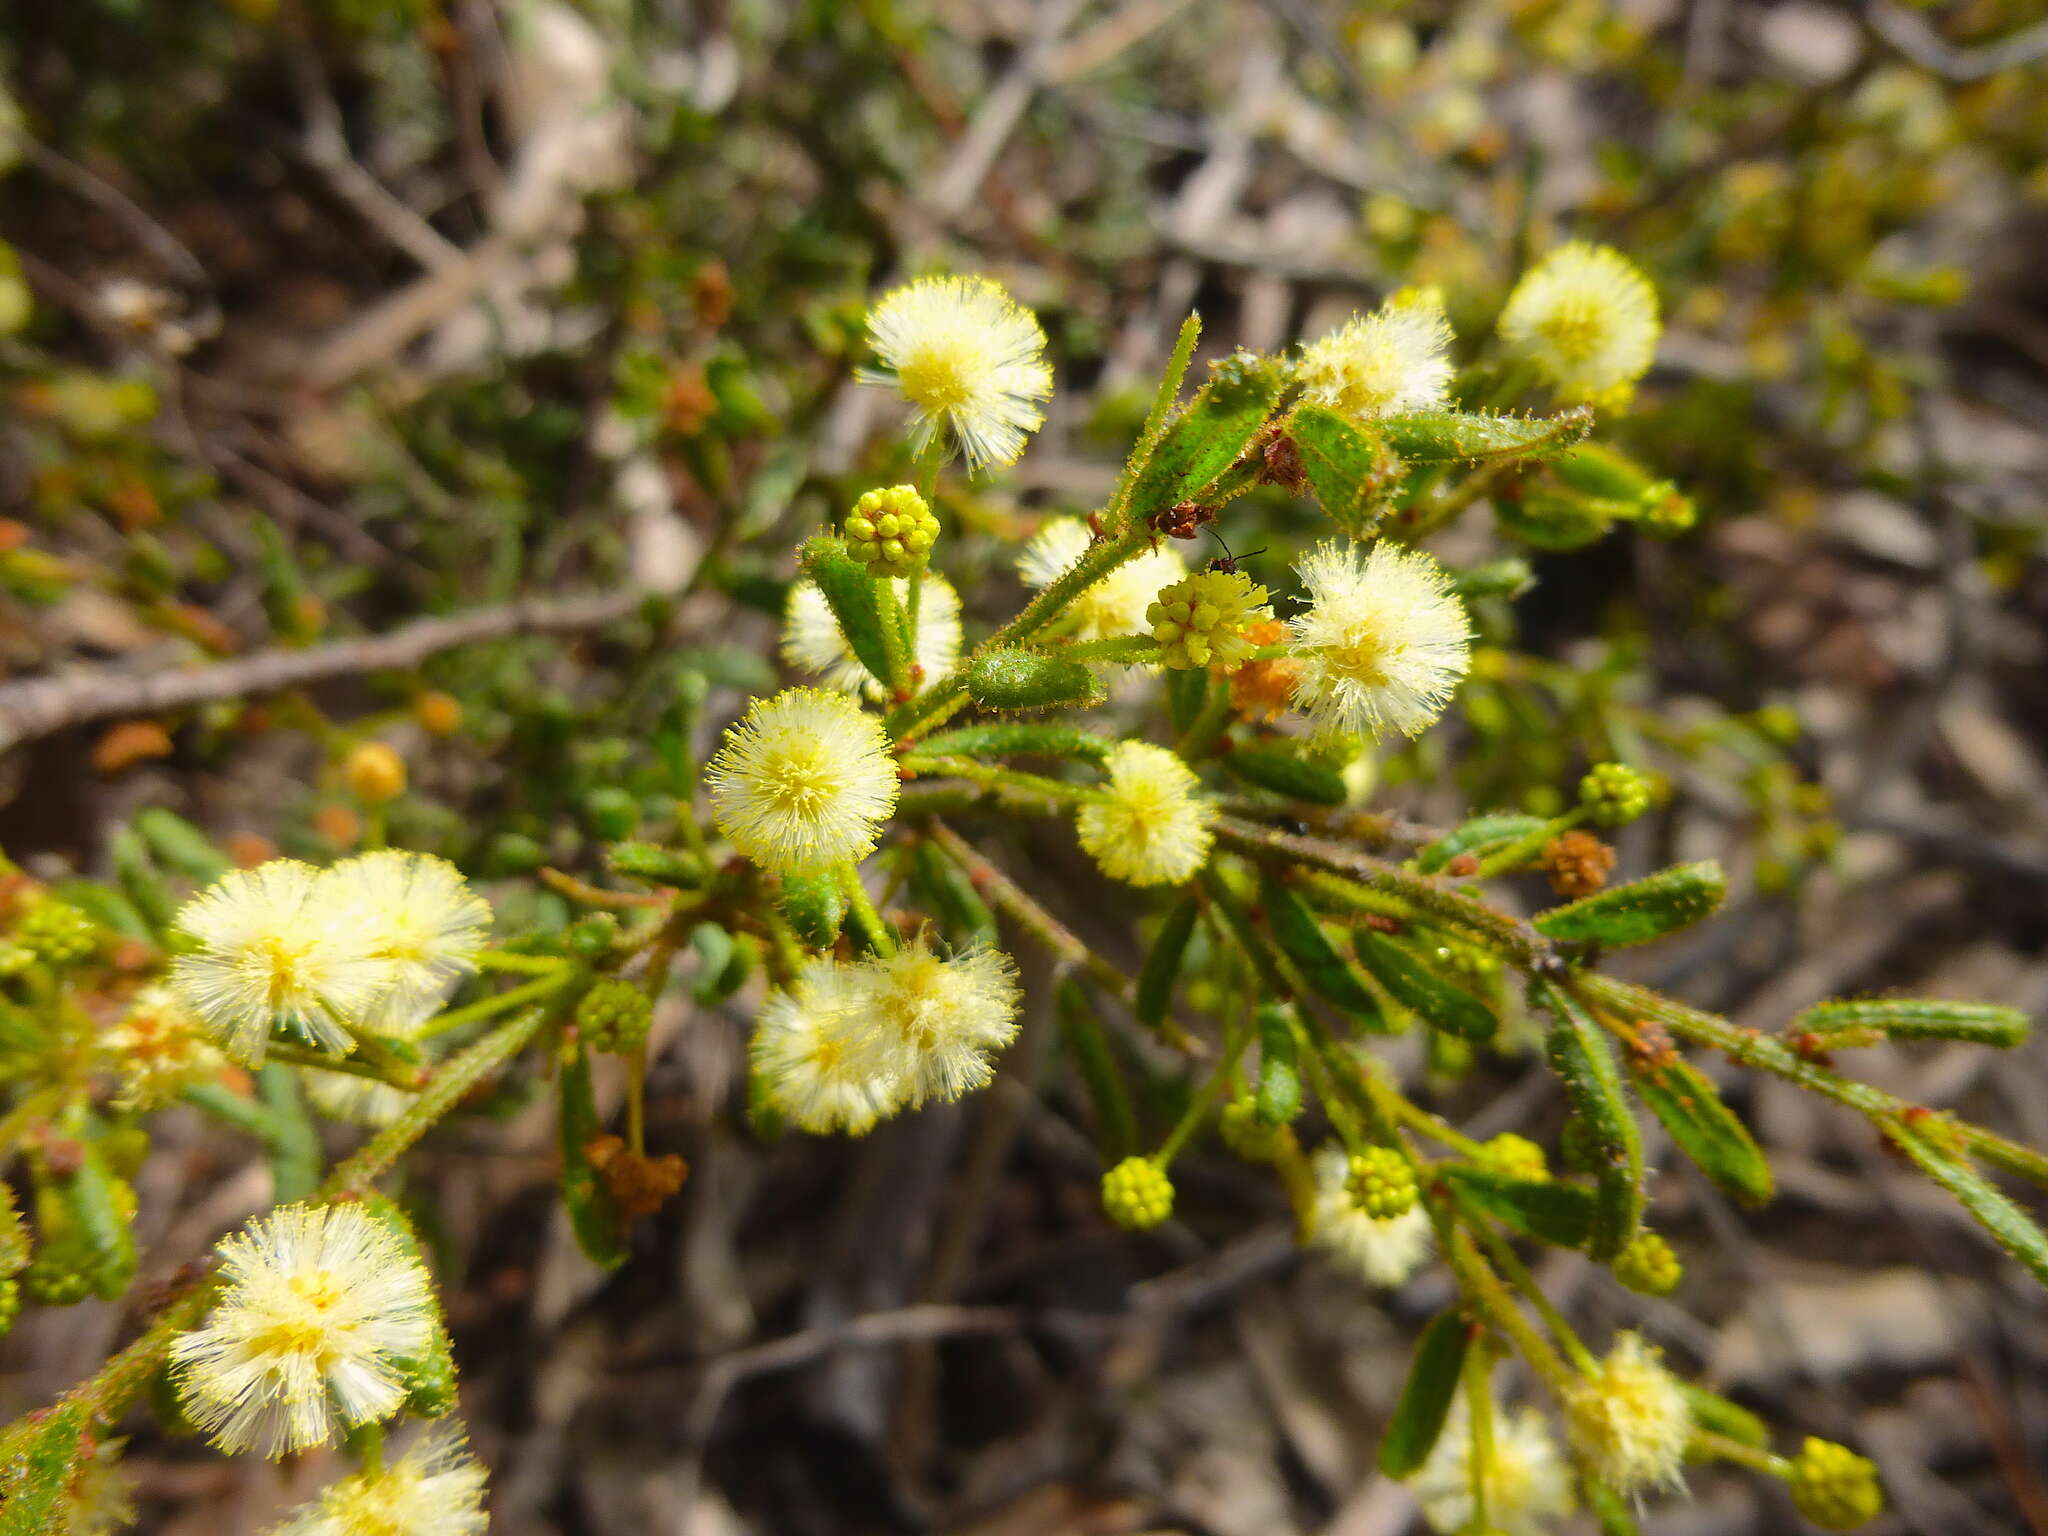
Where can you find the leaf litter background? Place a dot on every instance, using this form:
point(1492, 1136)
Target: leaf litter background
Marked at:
point(406, 270)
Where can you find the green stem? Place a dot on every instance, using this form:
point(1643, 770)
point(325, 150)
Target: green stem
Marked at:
point(1479, 1417)
point(508, 960)
point(1705, 1445)
point(995, 776)
point(561, 973)
point(875, 934)
point(450, 1084)
point(1496, 1303)
point(398, 1074)
point(1510, 1264)
point(1202, 1103)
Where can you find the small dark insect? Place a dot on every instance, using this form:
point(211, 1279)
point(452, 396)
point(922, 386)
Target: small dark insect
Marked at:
point(1183, 519)
point(1228, 563)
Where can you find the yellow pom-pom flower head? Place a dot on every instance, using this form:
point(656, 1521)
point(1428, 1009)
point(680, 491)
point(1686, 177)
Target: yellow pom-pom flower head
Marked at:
point(418, 914)
point(273, 948)
point(1137, 1195)
point(1115, 605)
point(931, 1024)
point(968, 358)
point(813, 642)
point(804, 782)
point(1382, 644)
point(1151, 824)
point(1629, 1421)
point(1585, 319)
point(1201, 619)
point(1528, 1485)
point(804, 1049)
point(319, 1307)
point(435, 1489)
point(1394, 360)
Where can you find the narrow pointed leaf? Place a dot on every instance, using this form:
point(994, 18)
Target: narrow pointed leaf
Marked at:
point(1705, 1129)
point(1279, 1094)
point(1421, 990)
point(1547, 1209)
point(1427, 1395)
point(1301, 938)
point(863, 606)
point(1211, 433)
point(1284, 773)
point(1163, 963)
point(2010, 1227)
point(1849, 1021)
point(1641, 910)
point(1582, 1056)
point(1428, 437)
point(1475, 837)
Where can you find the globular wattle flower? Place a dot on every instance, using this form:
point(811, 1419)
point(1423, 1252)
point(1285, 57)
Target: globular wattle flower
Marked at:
point(1383, 642)
point(968, 358)
point(435, 1489)
point(1151, 824)
point(1394, 360)
point(1585, 318)
point(804, 1050)
point(929, 1023)
point(274, 948)
point(1629, 1421)
point(1528, 1485)
point(804, 782)
point(320, 1307)
point(418, 914)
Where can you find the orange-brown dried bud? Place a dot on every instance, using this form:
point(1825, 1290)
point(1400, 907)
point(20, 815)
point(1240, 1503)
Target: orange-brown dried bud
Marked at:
point(339, 824)
point(1579, 864)
point(128, 743)
point(639, 1184)
point(439, 714)
point(711, 293)
point(248, 849)
point(687, 403)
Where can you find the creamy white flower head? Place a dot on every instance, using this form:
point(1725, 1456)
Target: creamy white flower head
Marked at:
point(1528, 1484)
point(275, 948)
point(1586, 318)
point(368, 1101)
point(929, 1023)
point(803, 1048)
point(100, 1498)
point(804, 782)
point(1115, 605)
point(1383, 642)
point(1629, 1421)
point(159, 1048)
point(318, 1304)
point(1393, 360)
point(967, 356)
point(435, 1489)
point(1386, 1252)
point(417, 912)
point(813, 641)
point(1151, 826)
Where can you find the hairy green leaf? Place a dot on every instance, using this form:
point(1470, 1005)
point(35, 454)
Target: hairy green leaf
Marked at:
point(1349, 468)
point(1641, 910)
point(1581, 1054)
point(1163, 963)
point(1427, 1395)
point(1010, 679)
point(1475, 837)
point(1431, 437)
point(1019, 739)
point(2010, 1227)
point(1285, 773)
point(865, 608)
point(1866, 1020)
point(1301, 938)
point(1211, 433)
point(1418, 988)
point(1279, 1096)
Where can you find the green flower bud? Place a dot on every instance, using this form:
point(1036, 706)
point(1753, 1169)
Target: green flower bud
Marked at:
point(891, 531)
point(1515, 1156)
point(1648, 1266)
point(57, 933)
point(593, 936)
point(614, 1016)
point(1137, 1194)
point(1834, 1487)
point(1614, 794)
point(1381, 1183)
point(613, 812)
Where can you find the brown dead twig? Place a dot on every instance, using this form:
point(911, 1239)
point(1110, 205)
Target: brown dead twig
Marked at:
point(39, 706)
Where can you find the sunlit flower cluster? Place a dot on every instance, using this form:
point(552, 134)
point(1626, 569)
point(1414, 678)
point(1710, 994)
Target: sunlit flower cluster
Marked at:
point(851, 1043)
point(159, 1048)
point(435, 1489)
point(1383, 642)
point(1585, 318)
point(1629, 1421)
point(1393, 360)
point(1150, 825)
point(324, 953)
point(968, 358)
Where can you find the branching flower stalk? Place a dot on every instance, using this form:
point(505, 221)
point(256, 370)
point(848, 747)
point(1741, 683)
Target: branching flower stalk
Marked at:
point(1201, 739)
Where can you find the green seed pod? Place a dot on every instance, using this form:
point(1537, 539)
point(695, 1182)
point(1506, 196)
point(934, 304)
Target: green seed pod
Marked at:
point(1011, 679)
point(1642, 910)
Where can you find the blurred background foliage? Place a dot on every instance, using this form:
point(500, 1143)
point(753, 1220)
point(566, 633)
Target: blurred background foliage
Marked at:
point(321, 316)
